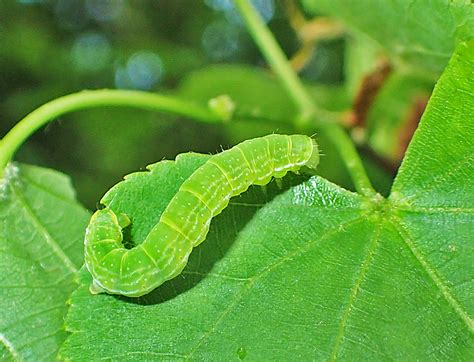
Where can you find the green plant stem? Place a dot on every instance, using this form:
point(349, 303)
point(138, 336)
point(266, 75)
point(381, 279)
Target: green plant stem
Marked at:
point(351, 158)
point(277, 59)
point(280, 65)
point(97, 98)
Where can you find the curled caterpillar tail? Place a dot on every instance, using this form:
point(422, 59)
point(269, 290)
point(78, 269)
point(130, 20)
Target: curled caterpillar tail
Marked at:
point(185, 222)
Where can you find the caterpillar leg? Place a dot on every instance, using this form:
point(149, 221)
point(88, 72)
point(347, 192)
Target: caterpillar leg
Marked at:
point(279, 183)
point(313, 161)
point(96, 288)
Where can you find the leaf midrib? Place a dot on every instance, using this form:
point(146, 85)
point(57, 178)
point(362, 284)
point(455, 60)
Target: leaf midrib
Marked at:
point(47, 236)
point(9, 347)
point(435, 278)
point(436, 209)
point(44, 189)
point(355, 290)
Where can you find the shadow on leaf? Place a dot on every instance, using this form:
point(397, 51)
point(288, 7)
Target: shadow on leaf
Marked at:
point(223, 232)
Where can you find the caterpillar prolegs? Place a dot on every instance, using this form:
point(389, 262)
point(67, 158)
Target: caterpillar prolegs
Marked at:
point(185, 222)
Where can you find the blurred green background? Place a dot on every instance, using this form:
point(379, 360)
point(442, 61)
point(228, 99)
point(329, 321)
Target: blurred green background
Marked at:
point(49, 48)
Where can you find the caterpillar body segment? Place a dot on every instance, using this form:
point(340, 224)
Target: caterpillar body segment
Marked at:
point(185, 222)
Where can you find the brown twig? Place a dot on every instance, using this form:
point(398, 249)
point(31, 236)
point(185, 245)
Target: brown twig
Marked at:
point(389, 166)
point(410, 125)
point(309, 32)
point(370, 87)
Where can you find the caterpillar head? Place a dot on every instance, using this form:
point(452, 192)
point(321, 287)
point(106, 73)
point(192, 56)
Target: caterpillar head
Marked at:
point(313, 160)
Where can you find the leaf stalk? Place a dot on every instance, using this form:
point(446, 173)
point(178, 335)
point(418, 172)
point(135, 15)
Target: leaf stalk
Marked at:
point(97, 98)
point(327, 121)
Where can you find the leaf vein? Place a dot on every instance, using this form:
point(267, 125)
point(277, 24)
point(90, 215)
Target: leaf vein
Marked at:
point(35, 314)
point(437, 280)
point(48, 191)
point(143, 354)
point(450, 171)
point(355, 291)
point(47, 236)
point(9, 346)
point(409, 208)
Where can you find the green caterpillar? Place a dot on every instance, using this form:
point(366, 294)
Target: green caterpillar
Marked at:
point(185, 222)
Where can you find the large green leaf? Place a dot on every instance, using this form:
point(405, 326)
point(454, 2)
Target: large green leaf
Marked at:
point(315, 272)
point(422, 34)
point(41, 231)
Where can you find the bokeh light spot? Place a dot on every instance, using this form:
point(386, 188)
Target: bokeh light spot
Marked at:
point(143, 70)
point(220, 40)
point(266, 9)
point(104, 10)
point(219, 5)
point(29, 2)
point(91, 51)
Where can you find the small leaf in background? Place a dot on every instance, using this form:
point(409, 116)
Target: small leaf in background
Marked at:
point(247, 85)
point(416, 34)
point(316, 272)
point(41, 241)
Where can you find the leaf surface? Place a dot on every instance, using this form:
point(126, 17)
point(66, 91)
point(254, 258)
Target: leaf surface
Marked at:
point(313, 272)
point(41, 232)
